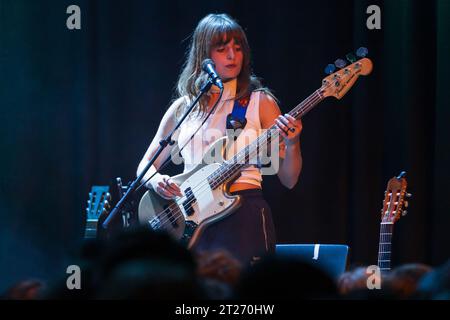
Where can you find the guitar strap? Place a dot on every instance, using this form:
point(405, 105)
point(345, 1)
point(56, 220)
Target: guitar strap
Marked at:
point(236, 119)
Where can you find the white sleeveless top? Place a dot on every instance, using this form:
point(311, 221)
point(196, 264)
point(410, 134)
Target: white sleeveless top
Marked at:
point(215, 128)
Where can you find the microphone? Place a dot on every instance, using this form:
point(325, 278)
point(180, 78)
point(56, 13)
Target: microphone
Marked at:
point(208, 66)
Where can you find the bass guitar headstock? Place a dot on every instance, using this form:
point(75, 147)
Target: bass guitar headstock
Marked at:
point(337, 83)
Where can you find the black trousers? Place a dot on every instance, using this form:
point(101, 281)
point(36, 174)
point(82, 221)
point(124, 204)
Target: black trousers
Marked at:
point(248, 233)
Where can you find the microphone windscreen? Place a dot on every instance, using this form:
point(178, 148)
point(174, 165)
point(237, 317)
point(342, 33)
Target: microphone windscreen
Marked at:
point(206, 62)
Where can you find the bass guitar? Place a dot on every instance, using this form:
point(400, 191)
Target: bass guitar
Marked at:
point(205, 197)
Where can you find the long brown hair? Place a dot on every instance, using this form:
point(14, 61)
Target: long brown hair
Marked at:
point(214, 30)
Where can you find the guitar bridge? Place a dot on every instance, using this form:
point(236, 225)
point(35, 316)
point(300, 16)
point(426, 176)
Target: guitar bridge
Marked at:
point(190, 227)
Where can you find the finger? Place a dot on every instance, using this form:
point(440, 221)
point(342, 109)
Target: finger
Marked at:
point(281, 125)
point(174, 187)
point(162, 192)
point(178, 191)
point(292, 121)
point(283, 134)
point(294, 125)
point(283, 120)
point(170, 186)
point(288, 116)
point(167, 183)
point(283, 130)
point(162, 185)
point(166, 190)
point(297, 122)
point(291, 118)
point(290, 126)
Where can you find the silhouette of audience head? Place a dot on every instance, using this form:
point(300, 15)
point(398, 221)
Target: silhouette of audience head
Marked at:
point(399, 283)
point(219, 272)
point(220, 265)
point(285, 278)
point(138, 263)
point(146, 264)
point(403, 280)
point(353, 280)
point(435, 285)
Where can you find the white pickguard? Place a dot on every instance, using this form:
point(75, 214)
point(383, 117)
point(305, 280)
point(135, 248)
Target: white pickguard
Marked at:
point(208, 202)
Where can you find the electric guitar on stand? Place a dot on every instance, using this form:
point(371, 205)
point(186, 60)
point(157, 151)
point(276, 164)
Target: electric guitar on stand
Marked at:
point(206, 199)
point(393, 207)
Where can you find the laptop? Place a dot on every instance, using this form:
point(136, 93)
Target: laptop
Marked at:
point(331, 258)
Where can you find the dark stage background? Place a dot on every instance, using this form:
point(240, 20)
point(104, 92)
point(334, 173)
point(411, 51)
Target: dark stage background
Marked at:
point(80, 107)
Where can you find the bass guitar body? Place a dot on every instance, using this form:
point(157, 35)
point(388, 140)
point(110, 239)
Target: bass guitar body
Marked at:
point(201, 205)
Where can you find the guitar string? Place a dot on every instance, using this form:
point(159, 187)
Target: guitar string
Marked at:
point(386, 238)
point(385, 243)
point(168, 212)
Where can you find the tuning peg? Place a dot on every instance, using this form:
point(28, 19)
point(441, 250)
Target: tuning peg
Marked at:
point(404, 213)
point(408, 195)
point(362, 52)
point(406, 204)
point(340, 63)
point(329, 69)
point(351, 57)
point(108, 196)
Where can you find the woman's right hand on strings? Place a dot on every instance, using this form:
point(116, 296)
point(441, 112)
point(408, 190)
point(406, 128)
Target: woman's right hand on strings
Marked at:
point(165, 187)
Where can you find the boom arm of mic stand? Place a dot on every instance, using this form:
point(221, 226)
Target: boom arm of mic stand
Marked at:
point(162, 145)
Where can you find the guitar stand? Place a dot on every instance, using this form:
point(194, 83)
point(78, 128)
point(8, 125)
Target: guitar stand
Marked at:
point(128, 212)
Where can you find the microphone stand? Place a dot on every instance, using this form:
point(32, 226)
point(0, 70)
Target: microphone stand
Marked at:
point(162, 145)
